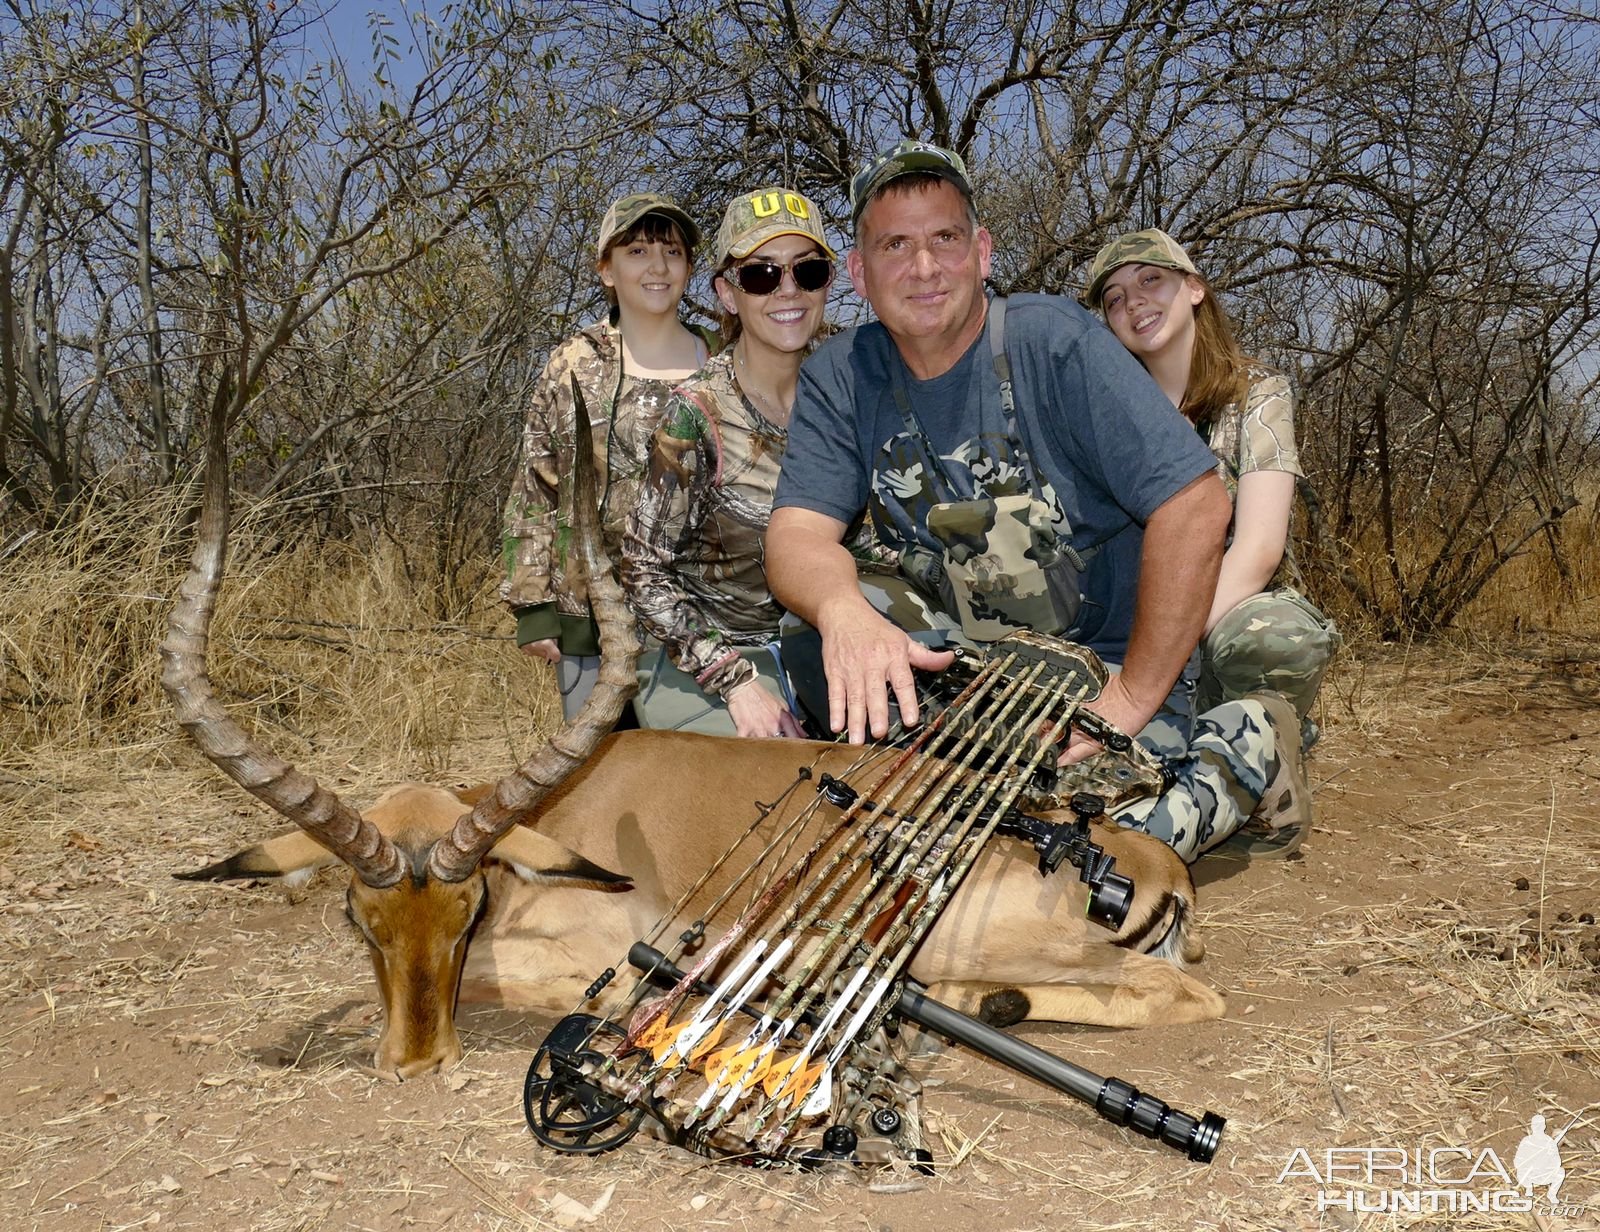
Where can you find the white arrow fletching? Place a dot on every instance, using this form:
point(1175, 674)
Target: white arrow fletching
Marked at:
point(859, 1017)
point(706, 1017)
point(821, 1097)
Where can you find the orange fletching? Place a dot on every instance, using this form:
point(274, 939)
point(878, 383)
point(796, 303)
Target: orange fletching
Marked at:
point(738, 1067)
point(800, 1084)
point(661, 1036)
point(712, 1038)
point(773, 1080)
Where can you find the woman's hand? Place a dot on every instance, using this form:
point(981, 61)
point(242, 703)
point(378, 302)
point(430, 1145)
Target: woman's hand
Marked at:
point(756, 713)
point(544, 648)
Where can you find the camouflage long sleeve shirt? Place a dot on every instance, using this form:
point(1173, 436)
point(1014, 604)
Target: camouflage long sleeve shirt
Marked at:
point(548, 601)
point(693, 551)
point(693, 555)
point(1257, 434)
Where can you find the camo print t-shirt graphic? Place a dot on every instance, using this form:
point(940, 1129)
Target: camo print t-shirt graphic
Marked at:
point(994, 548)
point(903, 491)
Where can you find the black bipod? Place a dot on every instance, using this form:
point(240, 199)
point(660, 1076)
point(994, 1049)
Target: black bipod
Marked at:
point(1057, 842)
point(1119, 1102)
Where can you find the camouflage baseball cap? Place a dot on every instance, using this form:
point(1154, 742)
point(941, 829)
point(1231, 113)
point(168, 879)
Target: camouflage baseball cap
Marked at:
point(907, 158)
point(1150, 247)
point(626, 211)
point(752, 219)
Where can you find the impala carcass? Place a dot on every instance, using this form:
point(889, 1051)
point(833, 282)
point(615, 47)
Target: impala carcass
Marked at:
point(522, 892)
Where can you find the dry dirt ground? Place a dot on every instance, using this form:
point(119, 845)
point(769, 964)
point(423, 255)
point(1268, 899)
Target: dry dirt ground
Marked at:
point(1423, 978)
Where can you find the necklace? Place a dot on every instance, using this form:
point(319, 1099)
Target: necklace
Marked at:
point(765, 405)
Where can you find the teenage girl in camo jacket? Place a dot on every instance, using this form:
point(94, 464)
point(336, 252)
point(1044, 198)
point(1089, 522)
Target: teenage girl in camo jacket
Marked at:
point(625, 366)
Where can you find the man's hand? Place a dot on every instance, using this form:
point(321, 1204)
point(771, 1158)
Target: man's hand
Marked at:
point(544, 648)
point(756, 713)
point(1117, 707)
point(862, 653)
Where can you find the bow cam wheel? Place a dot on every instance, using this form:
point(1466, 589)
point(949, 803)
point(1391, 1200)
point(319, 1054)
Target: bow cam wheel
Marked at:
point(566, 1110)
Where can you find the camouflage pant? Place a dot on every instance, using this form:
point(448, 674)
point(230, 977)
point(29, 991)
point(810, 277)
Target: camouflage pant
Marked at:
point(1274, 640)
point(1223, 761)
point(575, 677)
point(670, 699)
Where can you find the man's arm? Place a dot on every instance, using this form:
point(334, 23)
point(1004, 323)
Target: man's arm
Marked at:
point(1183, 542)
point(813, 575)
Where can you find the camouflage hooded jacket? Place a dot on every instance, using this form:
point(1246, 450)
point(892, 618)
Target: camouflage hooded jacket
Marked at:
point(547, 602)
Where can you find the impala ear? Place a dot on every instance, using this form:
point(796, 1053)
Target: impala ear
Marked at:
point(543, 861)
point(291, 857)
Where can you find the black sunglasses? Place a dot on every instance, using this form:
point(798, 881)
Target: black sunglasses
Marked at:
point(765, 277)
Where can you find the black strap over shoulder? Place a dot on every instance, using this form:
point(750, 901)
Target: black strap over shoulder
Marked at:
point(996, 327)
point(1002, 364)
point(1002, 372)
point(1008, 402)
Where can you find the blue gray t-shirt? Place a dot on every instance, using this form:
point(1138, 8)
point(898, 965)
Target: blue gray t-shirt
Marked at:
point(1109, 446)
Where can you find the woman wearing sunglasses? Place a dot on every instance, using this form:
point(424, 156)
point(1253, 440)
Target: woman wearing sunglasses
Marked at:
point(626, 367)
point(1260, 633)
point(693, 565)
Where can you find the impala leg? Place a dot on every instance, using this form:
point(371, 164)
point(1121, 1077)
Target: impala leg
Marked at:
point(1134, 991)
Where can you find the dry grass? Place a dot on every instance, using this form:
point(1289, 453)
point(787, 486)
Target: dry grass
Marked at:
point(335, 649)
point(1544, 588)
point(331, 651)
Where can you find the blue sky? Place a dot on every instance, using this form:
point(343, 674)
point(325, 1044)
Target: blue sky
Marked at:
point(348, 31)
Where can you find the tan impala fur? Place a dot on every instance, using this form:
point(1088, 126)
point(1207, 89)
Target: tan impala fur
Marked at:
point(551, 908)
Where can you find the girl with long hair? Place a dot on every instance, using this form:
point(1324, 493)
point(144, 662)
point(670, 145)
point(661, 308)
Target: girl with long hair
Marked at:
point(1261, 633)
point(693, 554)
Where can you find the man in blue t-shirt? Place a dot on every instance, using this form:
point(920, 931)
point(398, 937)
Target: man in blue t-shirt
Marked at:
point(905, 415)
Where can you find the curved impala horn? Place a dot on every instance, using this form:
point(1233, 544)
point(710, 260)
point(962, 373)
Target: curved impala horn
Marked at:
point(186, 679)
point(455, 856)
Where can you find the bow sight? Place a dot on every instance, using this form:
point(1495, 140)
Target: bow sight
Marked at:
point(776, 1039)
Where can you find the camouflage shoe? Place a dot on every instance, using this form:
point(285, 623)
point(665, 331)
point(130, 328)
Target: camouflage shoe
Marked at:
point(1287, 800)
point(1251, 843)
